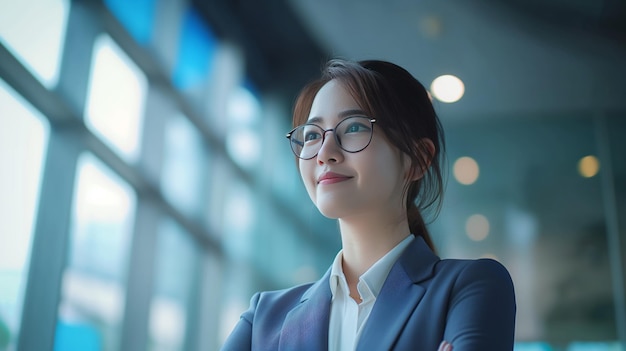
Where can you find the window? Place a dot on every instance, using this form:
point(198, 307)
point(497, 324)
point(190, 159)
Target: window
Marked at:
point(20, 180)
point(34, 30)
point(543, 219)
point(184, 164)
point(93, 290)
point(239, 221)
point(177, 260)
point(116, 98)
point(196, 50)
point(137, 16)
point(243, 140)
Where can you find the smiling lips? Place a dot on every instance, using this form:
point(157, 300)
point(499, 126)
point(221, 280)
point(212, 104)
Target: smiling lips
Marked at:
point(331, 178)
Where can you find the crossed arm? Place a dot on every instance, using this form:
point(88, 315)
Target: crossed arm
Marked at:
point(482, 309)
point(445, 346)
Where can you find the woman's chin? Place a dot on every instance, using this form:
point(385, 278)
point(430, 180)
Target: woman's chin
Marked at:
point(330, 210)
point(337, 208)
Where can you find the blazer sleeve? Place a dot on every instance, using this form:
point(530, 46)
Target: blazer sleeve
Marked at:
point(240, 339)
point(481, 314)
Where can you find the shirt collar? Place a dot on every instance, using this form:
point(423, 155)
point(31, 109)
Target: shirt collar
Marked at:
point(374, 277)
point(336, 275)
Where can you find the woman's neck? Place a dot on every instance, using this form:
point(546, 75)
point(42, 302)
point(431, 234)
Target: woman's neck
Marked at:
point(366, 240)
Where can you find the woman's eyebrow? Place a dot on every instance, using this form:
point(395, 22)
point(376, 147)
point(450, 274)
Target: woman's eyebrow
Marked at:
point(341, 114)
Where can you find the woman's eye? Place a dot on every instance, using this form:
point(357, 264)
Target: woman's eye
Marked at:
point(357, 127)
point(311, 136)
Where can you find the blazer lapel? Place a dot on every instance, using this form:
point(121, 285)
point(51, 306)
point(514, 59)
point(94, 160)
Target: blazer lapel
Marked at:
point(398, 297)
point(306, 326)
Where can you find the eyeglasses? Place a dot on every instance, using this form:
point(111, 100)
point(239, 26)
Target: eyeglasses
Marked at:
point(352, 134)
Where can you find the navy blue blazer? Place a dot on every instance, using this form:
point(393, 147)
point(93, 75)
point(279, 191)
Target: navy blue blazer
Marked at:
point(424, 300)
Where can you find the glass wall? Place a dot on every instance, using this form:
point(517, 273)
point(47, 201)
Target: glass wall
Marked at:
point(40, 50)
point(532, 193)
point(116, 97)
point(140, 225)
point(92, 303)
point(23, 143)
point(171, 308)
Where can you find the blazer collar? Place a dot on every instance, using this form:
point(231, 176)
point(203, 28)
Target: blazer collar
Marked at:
point(418, 260)
point(399, 296)
point(306, 325)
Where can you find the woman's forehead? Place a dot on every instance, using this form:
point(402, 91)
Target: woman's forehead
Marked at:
point(333, 101)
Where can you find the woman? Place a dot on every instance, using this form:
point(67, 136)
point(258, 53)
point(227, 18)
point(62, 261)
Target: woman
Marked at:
point(369, 148)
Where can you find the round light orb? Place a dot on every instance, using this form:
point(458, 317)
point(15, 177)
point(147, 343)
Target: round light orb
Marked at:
point(588, 166)
point(466, 170)
point(447, 88)
point(477, 227)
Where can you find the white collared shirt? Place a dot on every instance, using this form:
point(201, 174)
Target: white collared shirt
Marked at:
point(347, 318)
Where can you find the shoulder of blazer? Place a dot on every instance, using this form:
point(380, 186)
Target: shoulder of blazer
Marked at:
point(421, 264)
point(486, 273)
point(477, 268)
point(288, 298)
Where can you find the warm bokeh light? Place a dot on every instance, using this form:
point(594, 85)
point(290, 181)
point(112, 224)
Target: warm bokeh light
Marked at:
point(477, 227)
point(588, 166)
point(430, 26)
point(447, 88)
point(466, 170)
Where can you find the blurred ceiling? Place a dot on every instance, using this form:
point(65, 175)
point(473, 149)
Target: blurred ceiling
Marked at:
point(515, 57)
point(280, 53)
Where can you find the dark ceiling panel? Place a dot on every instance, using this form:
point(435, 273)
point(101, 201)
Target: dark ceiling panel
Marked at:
point(604, 17)
point(281, 56)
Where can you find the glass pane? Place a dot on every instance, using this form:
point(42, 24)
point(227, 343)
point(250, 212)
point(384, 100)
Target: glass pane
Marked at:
point(116, 98)
point(20, 180)
point(237, 289)
point(239, 221)
point(177, 258)
point(184, 164)
point(93, 290)
point(137, 16)
point(243, 140)
point(612, 143)
point(238, 238)
point(534, 202)
point(34, 30)
point(195, 54)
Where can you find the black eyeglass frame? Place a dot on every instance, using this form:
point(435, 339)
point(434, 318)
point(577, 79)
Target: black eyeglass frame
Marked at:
point(288, 136)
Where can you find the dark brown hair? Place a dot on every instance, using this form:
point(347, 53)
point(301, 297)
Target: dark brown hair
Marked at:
point(404, 113)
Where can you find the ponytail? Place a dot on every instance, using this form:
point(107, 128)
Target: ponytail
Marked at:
point(418, 226)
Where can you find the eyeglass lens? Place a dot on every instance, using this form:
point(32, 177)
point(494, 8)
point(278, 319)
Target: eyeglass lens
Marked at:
point(352, 134)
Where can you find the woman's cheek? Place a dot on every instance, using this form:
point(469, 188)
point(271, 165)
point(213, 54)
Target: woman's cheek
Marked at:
point(308, 177)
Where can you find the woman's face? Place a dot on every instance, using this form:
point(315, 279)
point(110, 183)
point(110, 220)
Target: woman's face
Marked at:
point(343, 184)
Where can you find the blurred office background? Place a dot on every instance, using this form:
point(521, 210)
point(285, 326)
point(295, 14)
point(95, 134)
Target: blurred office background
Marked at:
point(147, 189)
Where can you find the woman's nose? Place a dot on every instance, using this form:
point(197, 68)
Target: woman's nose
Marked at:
point(329, 152)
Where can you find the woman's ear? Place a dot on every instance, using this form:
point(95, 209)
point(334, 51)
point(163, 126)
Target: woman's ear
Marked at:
point(426, 150)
